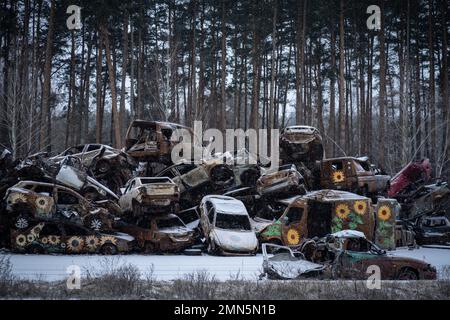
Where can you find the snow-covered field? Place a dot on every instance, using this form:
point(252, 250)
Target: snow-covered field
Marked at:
point(169, 267)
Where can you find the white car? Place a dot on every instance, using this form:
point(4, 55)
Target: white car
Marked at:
point(149, 195)
point(226, 226)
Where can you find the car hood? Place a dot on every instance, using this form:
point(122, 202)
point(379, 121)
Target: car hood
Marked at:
point(407, 260)
point(235, 240)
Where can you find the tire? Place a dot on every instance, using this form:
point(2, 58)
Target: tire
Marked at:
point(407, 274)
point(95, 223)
point(109, 249)
point(22, 222)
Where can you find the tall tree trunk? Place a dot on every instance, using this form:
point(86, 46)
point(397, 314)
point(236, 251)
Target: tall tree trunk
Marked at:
point(431, 87)
point(332, 123)
point(124, 71)
point(271, 124)
point(112, 85)
point(382, 94)
point(223, 115)
point(341, 130)
point(99, 93)
point(300, 53)
point(45, 133)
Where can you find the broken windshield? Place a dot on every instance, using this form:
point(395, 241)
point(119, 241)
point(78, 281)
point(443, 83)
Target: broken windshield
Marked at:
point(232, 222)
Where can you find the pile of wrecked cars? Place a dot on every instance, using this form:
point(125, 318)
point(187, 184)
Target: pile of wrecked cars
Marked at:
point(93, 198)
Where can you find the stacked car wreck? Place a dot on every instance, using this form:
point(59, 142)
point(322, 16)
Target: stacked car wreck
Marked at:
point(96, 199)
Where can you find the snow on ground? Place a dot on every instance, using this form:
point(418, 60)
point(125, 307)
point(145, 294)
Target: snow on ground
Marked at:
point(169, 267)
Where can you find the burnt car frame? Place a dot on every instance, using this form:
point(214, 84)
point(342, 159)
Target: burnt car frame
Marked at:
point(149, 195)
point(160, 233)
point(31, 201)
point(301, 144)
point(58, 237)
point(286, 181)
point(352, 174)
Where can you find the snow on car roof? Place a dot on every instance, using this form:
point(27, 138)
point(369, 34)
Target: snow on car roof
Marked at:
point(348, 234)
point(228, 205)
point(333, 195)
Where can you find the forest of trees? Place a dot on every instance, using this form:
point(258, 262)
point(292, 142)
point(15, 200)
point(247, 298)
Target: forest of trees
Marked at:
point(233, 64)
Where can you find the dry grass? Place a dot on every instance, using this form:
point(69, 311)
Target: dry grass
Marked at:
point(114, 279)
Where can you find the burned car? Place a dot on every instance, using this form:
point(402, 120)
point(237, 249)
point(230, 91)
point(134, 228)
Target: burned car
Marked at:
point(30, 201)
point(57, 237)
point(152, 141)
point(149, 195)
point(160, 233)
point(109, 166)
point(301, 144)
point(286, 181)
point(287, 264)
point(226, 226)
point(352, 174)
point(432, 230)
point(197, 180)
point(347, 254)
point(319, 213)
point(409, 178)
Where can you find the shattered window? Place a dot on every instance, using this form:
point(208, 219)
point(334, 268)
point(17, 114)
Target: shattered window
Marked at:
point(43, 190)
point(337, 165)
point(169, 223)
point(93, 147)
point(360, 167)
point(295, 214)
point(232, 222)
point(65, 198)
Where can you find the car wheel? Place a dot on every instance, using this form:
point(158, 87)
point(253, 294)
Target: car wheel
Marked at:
point(109, 249)
point(407, 274)
point(95, 223)
point(22, 222)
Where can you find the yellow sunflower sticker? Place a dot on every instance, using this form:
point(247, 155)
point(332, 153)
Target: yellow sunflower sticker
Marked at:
point(338, 176)
point(92, 242)
point(360, 207)
point(384, 213)
point(31, 237)
point(293, 237)
point(75, 244)
point(342, 211)
point(54, 240)
point(44, 240)
point(108, 239)
point(21, 240)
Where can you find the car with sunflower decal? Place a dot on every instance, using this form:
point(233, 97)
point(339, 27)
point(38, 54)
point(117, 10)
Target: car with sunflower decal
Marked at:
point(31, 201)
point(319, 213)
point(226, 226)
point(57, 237)
point(352, 174)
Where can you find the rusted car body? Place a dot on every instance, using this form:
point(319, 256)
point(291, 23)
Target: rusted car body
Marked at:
point(319, 213)
point(160, 233)
point(432, 230)
point(407, 179)
point(352, 174)
point(386, 212)
point(149, 195)
point(427, 199)
point(57, 237)
point(153, 141)
point(355, 254)
point(194, 181)
point(286, 181)
point(226, 226)
point(30, 201)
point(301, 144)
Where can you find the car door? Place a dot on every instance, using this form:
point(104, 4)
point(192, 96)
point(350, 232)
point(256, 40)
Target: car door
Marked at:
point(291, 227)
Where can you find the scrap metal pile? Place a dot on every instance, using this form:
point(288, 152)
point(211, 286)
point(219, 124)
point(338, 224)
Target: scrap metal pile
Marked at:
point(96, 199)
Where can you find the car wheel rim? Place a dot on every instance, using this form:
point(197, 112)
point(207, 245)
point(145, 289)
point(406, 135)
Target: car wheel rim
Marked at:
point(96, 224)
point(21, 223)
